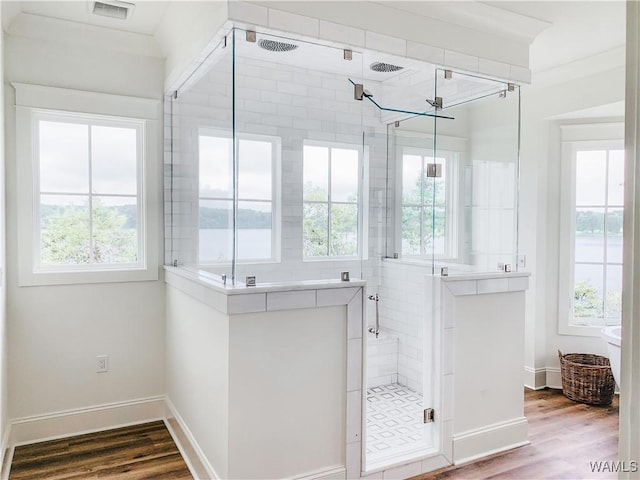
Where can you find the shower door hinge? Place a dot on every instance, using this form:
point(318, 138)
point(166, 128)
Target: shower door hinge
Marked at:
point(434, 170)
point(429, 415)
point(358, 91)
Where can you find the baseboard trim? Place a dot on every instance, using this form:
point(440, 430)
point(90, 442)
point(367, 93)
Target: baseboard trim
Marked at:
point(474, 444)
point(7, 454)
point(66, 423)
point(554, 378)
point(339, 472)
point(535, 378)
point(193, 456)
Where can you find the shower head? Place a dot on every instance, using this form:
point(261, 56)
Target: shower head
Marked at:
point(275, 46)
point(384, 67)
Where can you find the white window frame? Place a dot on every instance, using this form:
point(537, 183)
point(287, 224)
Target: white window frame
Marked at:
point(35, 102)
point(276, 196)
point(609, 136)
point(452, 161)
point(362, 203)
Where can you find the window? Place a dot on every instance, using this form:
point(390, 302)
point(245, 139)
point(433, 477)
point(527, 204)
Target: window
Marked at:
point(331, 189)
point(82, 177)
point(426, 204)
point(591, 236)
point(88, 192)
point(257, 183)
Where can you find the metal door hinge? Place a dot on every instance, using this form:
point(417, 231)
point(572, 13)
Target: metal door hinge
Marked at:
point(429, 415)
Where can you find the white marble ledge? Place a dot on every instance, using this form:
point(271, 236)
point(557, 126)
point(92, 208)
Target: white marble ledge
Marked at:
point(262, 298)
point(484, 283)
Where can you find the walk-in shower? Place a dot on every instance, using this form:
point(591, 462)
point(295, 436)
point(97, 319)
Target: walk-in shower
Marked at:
point(290, 160)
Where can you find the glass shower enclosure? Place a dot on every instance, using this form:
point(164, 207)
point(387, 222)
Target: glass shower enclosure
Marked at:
point(289, 160)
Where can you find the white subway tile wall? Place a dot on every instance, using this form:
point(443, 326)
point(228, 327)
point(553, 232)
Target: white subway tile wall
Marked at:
point(295, 105)
point(382, 360)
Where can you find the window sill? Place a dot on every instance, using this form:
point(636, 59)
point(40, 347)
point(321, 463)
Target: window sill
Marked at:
point(31, 279)
point(580, 330)
point(331, 259)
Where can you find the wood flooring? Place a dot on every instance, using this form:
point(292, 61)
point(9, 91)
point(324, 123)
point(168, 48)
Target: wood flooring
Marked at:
point(564, 438)
point(138, 452)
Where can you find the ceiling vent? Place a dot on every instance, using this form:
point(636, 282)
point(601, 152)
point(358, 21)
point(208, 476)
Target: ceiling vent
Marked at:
point(384, 67)
point(113, 9)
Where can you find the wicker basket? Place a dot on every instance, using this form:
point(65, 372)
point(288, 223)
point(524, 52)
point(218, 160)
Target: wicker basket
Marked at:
point(587, 378)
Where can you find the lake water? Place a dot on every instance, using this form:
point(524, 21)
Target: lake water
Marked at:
point(215, 244)
point(253, 244)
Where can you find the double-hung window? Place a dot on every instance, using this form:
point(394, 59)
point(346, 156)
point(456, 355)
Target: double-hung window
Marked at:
point(591, 236)
point(82, 186)
point(258, 173)
point(331, 189)
point(426, 204)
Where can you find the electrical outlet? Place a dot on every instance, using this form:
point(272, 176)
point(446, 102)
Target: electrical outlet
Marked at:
point(102, 363)
point(522, 261)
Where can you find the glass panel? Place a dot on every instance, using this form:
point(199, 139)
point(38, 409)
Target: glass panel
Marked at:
point(316, 173)
point(614, 235)
point(316, 232)
point(589, 240)
point(64, 230)
point(588, 293)
point(590, 175)
point(344, 175)
point(114, 230)
point(616, 177)
point(344, 230)
point(411, 179)
point(215, 166)
point(215, 232)
point(255, 177)
point(435, 231)
point(613, 302)
point(114, 154)
point(254, 230)
point(63, 157)
point(411, 220)
point(482, 182)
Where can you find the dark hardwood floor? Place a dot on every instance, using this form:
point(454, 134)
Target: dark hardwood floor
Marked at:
point(565, 437)
point(138, 452)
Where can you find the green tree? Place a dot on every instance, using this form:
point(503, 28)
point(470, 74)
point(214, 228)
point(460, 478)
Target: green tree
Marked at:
point(66, 232)
point(588, 221)
point(587, 302)
point(419, 210)
point(344, 225)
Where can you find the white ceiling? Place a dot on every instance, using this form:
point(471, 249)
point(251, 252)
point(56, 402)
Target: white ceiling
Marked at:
point(564, 31)
point(144, 18)
point(579, 29)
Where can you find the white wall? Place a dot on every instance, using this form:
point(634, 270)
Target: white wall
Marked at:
point(197, 366)
point(4, 392)
point(539, 233)
point(55, 332)
point(188, 29)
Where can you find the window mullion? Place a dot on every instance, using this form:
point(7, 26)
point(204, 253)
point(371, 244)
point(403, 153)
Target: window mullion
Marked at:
point(606, 238)
point(329, 173)
point(90, 170)
point(423, 249)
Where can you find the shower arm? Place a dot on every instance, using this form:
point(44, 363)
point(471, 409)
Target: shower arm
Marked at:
point(361, 93)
